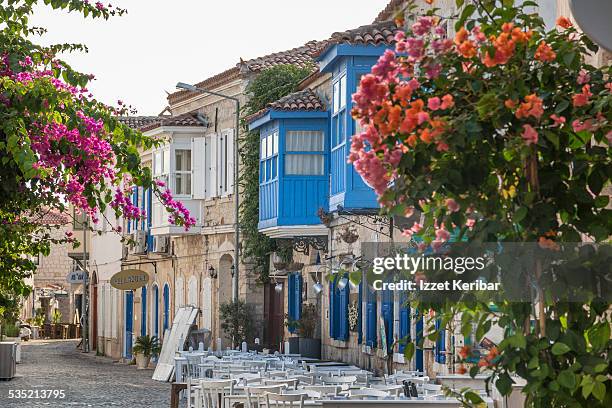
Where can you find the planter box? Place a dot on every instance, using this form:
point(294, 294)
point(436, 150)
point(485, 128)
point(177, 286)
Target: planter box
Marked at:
point(310, 348)
point(294, 345)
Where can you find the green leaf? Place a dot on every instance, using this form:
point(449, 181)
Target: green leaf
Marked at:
point(599, 335)
point(560, 348)
point(561, 106)
point(601, 201)
point(599, 391)
point(409, 351)
point(459, 3)
point(504, 384)
point(552, 138)
point(465, 14)
point(567, 379)
point(587, 389)
point(473, 397)
point(569, 58)
point(520, 214)
point(474, 371)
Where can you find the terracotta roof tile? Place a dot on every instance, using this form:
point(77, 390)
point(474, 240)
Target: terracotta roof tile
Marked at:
point(389, 12)
point(137, 122)
point(303, 57)
point(53, 218)
point(382, 33)
point(304, 100)
point(186, 119)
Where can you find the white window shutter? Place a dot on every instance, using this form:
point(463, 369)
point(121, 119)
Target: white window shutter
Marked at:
point(221, 163)
point(198, 165)
point(230, 161)
point(213, 184)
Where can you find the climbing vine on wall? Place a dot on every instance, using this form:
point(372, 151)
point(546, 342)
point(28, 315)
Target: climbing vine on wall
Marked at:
point(267, 87)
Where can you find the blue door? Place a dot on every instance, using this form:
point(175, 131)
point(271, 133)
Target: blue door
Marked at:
point(129, 323)
point(143, 311)
point(166, 307)
point(155, 311)
point(419, 336)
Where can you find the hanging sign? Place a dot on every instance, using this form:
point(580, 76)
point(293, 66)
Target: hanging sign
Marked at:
point(76, 277)
point(129, 279)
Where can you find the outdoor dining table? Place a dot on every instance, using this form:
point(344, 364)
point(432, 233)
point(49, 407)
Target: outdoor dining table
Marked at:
point(458, 381)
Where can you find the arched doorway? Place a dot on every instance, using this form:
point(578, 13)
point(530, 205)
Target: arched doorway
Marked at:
point(143, 311)
point(129, 323)
point(155, 317)
point(166, 296)
point(94, 311)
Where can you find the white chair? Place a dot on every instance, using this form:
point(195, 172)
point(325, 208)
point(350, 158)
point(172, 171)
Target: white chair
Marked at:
point(213, 393)
point(432, 389)
point(289, 382)
point(324, 390)
point(285, 400)
point(368, 393)
point(395, 390)
point(341, 380)
point(310, 394)
point(256, 395)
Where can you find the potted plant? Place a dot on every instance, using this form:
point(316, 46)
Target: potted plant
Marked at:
point(144, 348)
point(306, 327)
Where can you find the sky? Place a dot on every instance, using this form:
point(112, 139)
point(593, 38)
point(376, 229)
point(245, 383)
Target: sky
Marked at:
point(140, 56)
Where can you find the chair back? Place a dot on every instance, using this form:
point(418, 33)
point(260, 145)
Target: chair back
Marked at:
point(368, 393)
point(256, 395)
point(324, 390)
point(285, 400)
point(213, 391)
point(395, 390)
point(193, 366)
point(289, 382)
point(349, 380)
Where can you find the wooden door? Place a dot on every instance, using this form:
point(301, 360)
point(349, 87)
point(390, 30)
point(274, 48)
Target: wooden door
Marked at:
point(274, 315)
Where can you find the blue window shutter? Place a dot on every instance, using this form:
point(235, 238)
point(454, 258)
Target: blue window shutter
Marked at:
point(440, 344)
point(419, 336)
point(404, 322)
point(371, 318)
point(332, 300)
point(359, 311)
point(149, 219)
point(298, 296)
point(387, 313)
point(143, 207)
point(343, 313)
point(291, 299)
point(143, 311)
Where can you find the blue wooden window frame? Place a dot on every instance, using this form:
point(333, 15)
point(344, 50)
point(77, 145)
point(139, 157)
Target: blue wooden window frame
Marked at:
point(359, 313)
point(388, 315)
point(129, 322)
point(404, 322)
point(288, 152)
point(338, 316)
point(268, 161)
point(440, 343)
point(294, 298)
point(371, 331)
point(418, 336)
point(143, 311)
point(155, 319)
point(166, 296)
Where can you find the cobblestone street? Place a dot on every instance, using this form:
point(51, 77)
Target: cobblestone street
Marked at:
point(87, 380)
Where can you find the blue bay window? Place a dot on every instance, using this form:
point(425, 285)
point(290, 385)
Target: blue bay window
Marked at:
point(293, 171)
point(347, 63)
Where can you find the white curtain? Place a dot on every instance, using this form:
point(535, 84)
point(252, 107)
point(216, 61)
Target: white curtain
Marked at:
point(304, 141)
point(304, 164)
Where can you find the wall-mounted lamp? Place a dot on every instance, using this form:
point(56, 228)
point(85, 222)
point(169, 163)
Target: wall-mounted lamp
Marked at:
point(278, 287)
point(232, 270)
point(317, 287)
point(212, 272)
point(342, 283)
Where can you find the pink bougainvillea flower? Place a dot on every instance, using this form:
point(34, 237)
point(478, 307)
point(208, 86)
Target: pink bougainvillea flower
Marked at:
point(558, 120)
point(452, 205)
point(582, 98)
point(564, 22)
point(447, 102)
point(433, 103)
point(529, 135)
point(579, 126)
point(583, 77)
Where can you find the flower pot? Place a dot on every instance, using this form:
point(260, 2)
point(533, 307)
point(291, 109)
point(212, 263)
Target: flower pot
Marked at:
point(310, 348)
point(142, 361)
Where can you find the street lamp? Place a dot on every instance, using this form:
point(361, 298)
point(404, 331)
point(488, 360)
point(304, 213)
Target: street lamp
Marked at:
point(211, 272)
point(193, 88)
